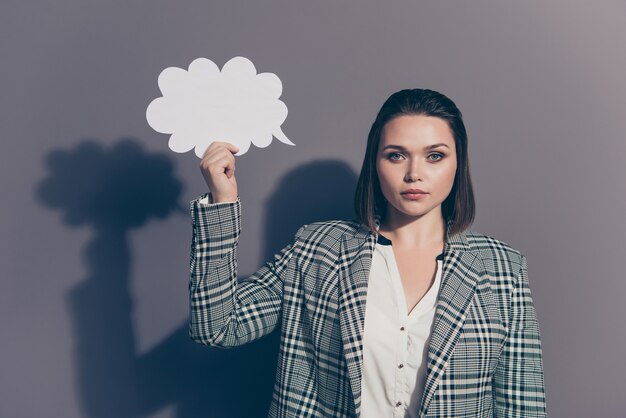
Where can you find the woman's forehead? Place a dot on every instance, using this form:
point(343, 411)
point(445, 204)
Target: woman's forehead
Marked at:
point(417, 130)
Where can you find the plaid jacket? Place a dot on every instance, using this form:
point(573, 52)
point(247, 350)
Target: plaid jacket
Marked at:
point(484, 358)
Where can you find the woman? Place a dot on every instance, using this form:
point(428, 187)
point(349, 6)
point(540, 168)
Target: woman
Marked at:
point(402, 312)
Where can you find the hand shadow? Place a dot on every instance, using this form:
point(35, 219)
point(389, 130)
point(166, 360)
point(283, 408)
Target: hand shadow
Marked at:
point(115, 190)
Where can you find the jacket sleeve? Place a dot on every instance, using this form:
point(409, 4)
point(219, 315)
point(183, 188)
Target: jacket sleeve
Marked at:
point(223, 312)
point(518, 378)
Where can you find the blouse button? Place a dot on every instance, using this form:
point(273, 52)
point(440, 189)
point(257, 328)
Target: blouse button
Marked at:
point(398, 403)
point(400, 366)
point(401, 328)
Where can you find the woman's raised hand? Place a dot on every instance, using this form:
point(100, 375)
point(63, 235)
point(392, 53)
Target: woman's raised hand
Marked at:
point(218, 169)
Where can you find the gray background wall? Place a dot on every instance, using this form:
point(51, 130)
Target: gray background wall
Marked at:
point(94, 217)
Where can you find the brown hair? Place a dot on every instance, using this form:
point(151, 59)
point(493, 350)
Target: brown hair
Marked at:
point(458, 208)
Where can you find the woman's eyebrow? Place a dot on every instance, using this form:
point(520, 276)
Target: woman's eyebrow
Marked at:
point(400, 147)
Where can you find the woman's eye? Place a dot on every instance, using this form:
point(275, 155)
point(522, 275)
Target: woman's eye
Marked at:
point(436, 154)
point(390, 155)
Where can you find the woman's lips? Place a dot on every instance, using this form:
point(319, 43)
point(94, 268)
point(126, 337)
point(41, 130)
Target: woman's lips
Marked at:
point(414, 196)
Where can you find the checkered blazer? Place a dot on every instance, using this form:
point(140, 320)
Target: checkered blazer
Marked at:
point(484, 358)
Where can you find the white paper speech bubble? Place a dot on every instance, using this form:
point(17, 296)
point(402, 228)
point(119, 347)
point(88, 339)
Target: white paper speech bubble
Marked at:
point(203, 105)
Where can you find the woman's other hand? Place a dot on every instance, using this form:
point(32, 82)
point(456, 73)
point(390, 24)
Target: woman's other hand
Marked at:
point(218, 169)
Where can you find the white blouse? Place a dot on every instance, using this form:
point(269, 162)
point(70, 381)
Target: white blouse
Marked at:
point(395, 344)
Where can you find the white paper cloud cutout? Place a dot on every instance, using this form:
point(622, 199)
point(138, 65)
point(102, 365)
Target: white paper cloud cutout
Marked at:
point(203, 105)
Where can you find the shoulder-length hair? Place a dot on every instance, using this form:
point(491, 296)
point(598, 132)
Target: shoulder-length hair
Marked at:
point(458, 208)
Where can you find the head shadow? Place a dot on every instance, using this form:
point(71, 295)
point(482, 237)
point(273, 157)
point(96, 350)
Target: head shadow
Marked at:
point(317, 191)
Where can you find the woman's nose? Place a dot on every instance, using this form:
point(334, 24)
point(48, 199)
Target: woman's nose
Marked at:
point(413, 172)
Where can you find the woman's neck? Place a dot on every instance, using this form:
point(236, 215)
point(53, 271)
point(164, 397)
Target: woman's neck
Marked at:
point(422, 232)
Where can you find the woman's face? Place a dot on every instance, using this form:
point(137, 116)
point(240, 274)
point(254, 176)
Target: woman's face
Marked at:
point(416, 152)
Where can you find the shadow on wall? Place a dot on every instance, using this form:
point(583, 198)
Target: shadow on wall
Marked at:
point(318, 191)
point(115, 190)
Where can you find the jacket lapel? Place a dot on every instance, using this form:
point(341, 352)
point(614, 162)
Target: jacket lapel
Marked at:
point(458, 286)
point(457, 290)
point(355, 259)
